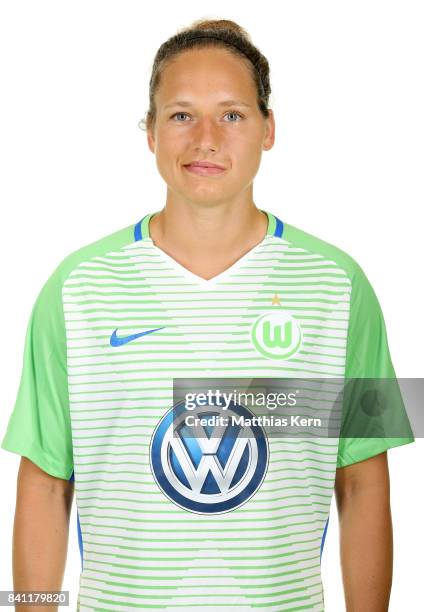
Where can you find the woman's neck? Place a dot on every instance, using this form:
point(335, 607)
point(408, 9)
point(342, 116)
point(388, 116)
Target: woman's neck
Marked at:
point(207, 239)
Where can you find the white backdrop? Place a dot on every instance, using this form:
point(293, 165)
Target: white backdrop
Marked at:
point(347, 166)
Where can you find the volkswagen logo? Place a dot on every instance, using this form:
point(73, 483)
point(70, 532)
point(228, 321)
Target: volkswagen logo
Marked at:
point(208, 469)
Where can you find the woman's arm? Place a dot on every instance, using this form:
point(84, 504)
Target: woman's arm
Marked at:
point(40, 533)
point(366, 539)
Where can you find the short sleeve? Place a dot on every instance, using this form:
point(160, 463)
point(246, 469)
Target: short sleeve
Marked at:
point(368, 357)
point(39, 426)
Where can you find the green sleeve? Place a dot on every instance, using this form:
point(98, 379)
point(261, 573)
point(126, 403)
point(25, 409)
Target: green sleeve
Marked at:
point(39, 427)
point(368, 356)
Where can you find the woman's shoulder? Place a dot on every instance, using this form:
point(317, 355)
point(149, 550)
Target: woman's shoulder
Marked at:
point(298, 240)
point(102, 247)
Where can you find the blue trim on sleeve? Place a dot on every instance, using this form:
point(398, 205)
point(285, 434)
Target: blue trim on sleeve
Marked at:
point(72, 478)
point(279, 228)
point(323, 539)
point(80, 544)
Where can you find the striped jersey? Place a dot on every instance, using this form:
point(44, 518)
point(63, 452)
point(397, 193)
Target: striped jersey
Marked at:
point(166, 523)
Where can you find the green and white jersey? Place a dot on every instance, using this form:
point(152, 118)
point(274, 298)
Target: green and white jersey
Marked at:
point(113, 326)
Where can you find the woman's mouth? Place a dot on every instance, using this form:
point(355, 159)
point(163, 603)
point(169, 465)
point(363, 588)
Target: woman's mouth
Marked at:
point(203, 169)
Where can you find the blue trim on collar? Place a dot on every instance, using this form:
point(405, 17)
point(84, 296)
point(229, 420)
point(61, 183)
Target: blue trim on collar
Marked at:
point(279, 228)
point(137, 231)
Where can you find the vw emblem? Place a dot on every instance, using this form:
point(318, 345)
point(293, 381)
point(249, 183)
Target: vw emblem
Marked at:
point(208, 469)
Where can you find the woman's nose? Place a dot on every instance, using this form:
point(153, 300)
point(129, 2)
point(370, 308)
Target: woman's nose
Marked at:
point(206, 133)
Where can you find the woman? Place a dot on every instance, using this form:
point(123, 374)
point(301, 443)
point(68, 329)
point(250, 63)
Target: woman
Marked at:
point(171, 514)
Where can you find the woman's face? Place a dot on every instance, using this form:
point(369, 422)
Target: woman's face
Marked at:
point(196, 121)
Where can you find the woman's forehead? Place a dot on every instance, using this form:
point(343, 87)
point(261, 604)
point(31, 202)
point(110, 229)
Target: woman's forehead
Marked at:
point(211, 72)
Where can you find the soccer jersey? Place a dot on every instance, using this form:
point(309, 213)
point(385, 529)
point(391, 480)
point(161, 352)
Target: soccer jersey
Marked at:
point(161, 524)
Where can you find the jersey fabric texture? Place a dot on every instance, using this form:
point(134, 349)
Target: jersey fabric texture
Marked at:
point(94, 389)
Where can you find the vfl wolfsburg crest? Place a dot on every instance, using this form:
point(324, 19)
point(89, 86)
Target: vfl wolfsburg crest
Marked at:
point(276, 335)
point(211, 473)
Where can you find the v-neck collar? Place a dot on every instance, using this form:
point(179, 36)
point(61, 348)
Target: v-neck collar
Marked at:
point(142, 232)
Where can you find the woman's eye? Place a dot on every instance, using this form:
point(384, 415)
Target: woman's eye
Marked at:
point(176, 114)
point(233, 113)
point(186, 115)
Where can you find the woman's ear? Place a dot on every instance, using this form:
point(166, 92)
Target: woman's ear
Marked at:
point(151, 140)
point(269, 137)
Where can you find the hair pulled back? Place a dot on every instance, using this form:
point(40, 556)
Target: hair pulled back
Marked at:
point(223, 33)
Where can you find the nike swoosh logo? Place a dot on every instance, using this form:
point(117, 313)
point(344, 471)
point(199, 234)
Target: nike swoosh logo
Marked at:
point(119, 341)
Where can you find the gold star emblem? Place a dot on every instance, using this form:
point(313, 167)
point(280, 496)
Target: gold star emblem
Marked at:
point(276, 300)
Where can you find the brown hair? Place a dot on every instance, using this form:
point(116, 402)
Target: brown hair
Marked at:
point(211, 33)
